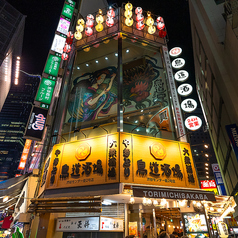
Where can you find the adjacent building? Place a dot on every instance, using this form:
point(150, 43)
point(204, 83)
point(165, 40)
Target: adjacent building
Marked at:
point(13, 119)
point(215, 47)
point(12, 24)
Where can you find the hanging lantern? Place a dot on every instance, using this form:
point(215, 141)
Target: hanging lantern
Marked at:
point(88, 31)
point(138, 10)
point(96, 45)
point(69, 38)
point(110, 21)
point(64, 56)
point(79, 28)
point(90, 20)
point(99, 17)
point(67, 48)
point(139, 17)
point(133, 40)
point(99, 27)
point(140, 25)
point(151, 30)
point(150, 20)
point(87, 49)
point(81, 22)
point(78, 35)
point(162, 33)
point(111, 12)
point(160, 23)
point(129, 21)
point(106, 41)
point(128, 14)
point(129, 6)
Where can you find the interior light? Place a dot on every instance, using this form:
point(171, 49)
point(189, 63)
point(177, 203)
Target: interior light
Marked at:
point(155, 202)
point(144, 201)
point(149, 202)
point(207, 176)
point(219, 210)
point(206, 164)
point(127, 51)
point(199, 204)
point(206, 146)
point(211, 208)
point(136, 121)
point(137, 129)
point(78, 67)
point(132, 200)
point(106, 58)
point(106, 203)
point(116, 54)
point(206, 155)
point(96, 61)
point(5, 198)
point(141, 110)
point(207, 172)
point(87, 65)
point(206, 168)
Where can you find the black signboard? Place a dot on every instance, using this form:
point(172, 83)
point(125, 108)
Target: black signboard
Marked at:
point(179, 194)
point(36, 124)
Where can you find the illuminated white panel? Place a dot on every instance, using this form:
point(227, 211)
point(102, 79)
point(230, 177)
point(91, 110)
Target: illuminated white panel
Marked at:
point(17, 70)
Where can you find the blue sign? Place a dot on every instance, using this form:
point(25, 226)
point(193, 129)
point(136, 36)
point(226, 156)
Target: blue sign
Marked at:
point(233, 136)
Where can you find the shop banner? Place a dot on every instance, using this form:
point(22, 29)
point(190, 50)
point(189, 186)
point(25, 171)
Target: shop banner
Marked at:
point(77, 224)
point(233, 136)
point(111, 224)
point(36, 124)
point(173, 194)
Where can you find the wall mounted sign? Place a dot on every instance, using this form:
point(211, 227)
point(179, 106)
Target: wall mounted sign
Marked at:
point(178, 113)
point(185, 89)
point(24, 155)
point(68, 10)
point(45, 91)
point(173, 194)
point(189, 105)
point(206, 184)
point(58, 44)
point(111, 224)
point(77, 224)
point(175, 52)
point(137, 159)
point(181, 75)
point(217, 173)
point(193, 123)
point(178, 63)
point(52, 65)
point(63, 26)
point(36, 124)
point(232, 132)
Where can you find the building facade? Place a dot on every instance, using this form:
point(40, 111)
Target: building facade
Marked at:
point(215, 48)
point(13, 119)
point(12, 24)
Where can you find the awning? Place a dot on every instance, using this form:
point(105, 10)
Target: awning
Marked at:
point(10, 190)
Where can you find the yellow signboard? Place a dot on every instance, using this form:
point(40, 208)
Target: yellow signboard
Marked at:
point(120, 157)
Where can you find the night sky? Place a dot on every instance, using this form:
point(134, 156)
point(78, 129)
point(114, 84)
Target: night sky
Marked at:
point(43, 16)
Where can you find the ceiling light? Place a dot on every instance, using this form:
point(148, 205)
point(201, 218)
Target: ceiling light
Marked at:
point(78, 67)
point(106, 58)
point(87, 65)
point(207, 172)
point(136, 121)
point(96, 61)
point(116, 54)
point(127, 51)
point(155, 202)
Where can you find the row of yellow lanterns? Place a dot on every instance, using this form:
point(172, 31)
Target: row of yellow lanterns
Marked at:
point(128, 21)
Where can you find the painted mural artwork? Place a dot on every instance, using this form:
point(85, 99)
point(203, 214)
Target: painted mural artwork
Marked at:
point(94, 95)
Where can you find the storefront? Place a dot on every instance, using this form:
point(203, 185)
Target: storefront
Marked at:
point(120, 164)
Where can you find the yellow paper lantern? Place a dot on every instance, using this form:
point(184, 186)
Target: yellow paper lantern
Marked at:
point(150, 21)
point(151, 29)
point(99, 27)
point(79, 28)
point(87, 49)
point(129, 21)
point(129, 6)
point(128, 14)
point(78, 35)
point(99, 18)
point(81, 22)
point(106, 41)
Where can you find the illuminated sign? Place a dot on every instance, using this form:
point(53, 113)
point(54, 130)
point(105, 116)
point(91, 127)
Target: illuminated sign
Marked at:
point(178, 63)
point(217, 173)
point(193, 123)
point(111, 224)
point(68, 10)
point(175, 52)
point(121, 157)
point(36, 124)
point(77, 224)
point(63, 26)
point(58, 44)
point(24, 155)
point(181, 75)
point(189, 105)
point(185, 89)
point(206, 184)
point(52, 65)
point(45, 91)
point(174, 95)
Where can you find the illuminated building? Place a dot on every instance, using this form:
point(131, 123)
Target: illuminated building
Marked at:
point(115, 155)
point(13, 119)
point(12, 24)
point(215, 42)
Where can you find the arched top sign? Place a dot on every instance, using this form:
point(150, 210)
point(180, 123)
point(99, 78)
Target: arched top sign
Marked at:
point(178, 63)
point(185, 89)
point(175, 52)
point(189, 105)
point(181, 75)
point(193, 123)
